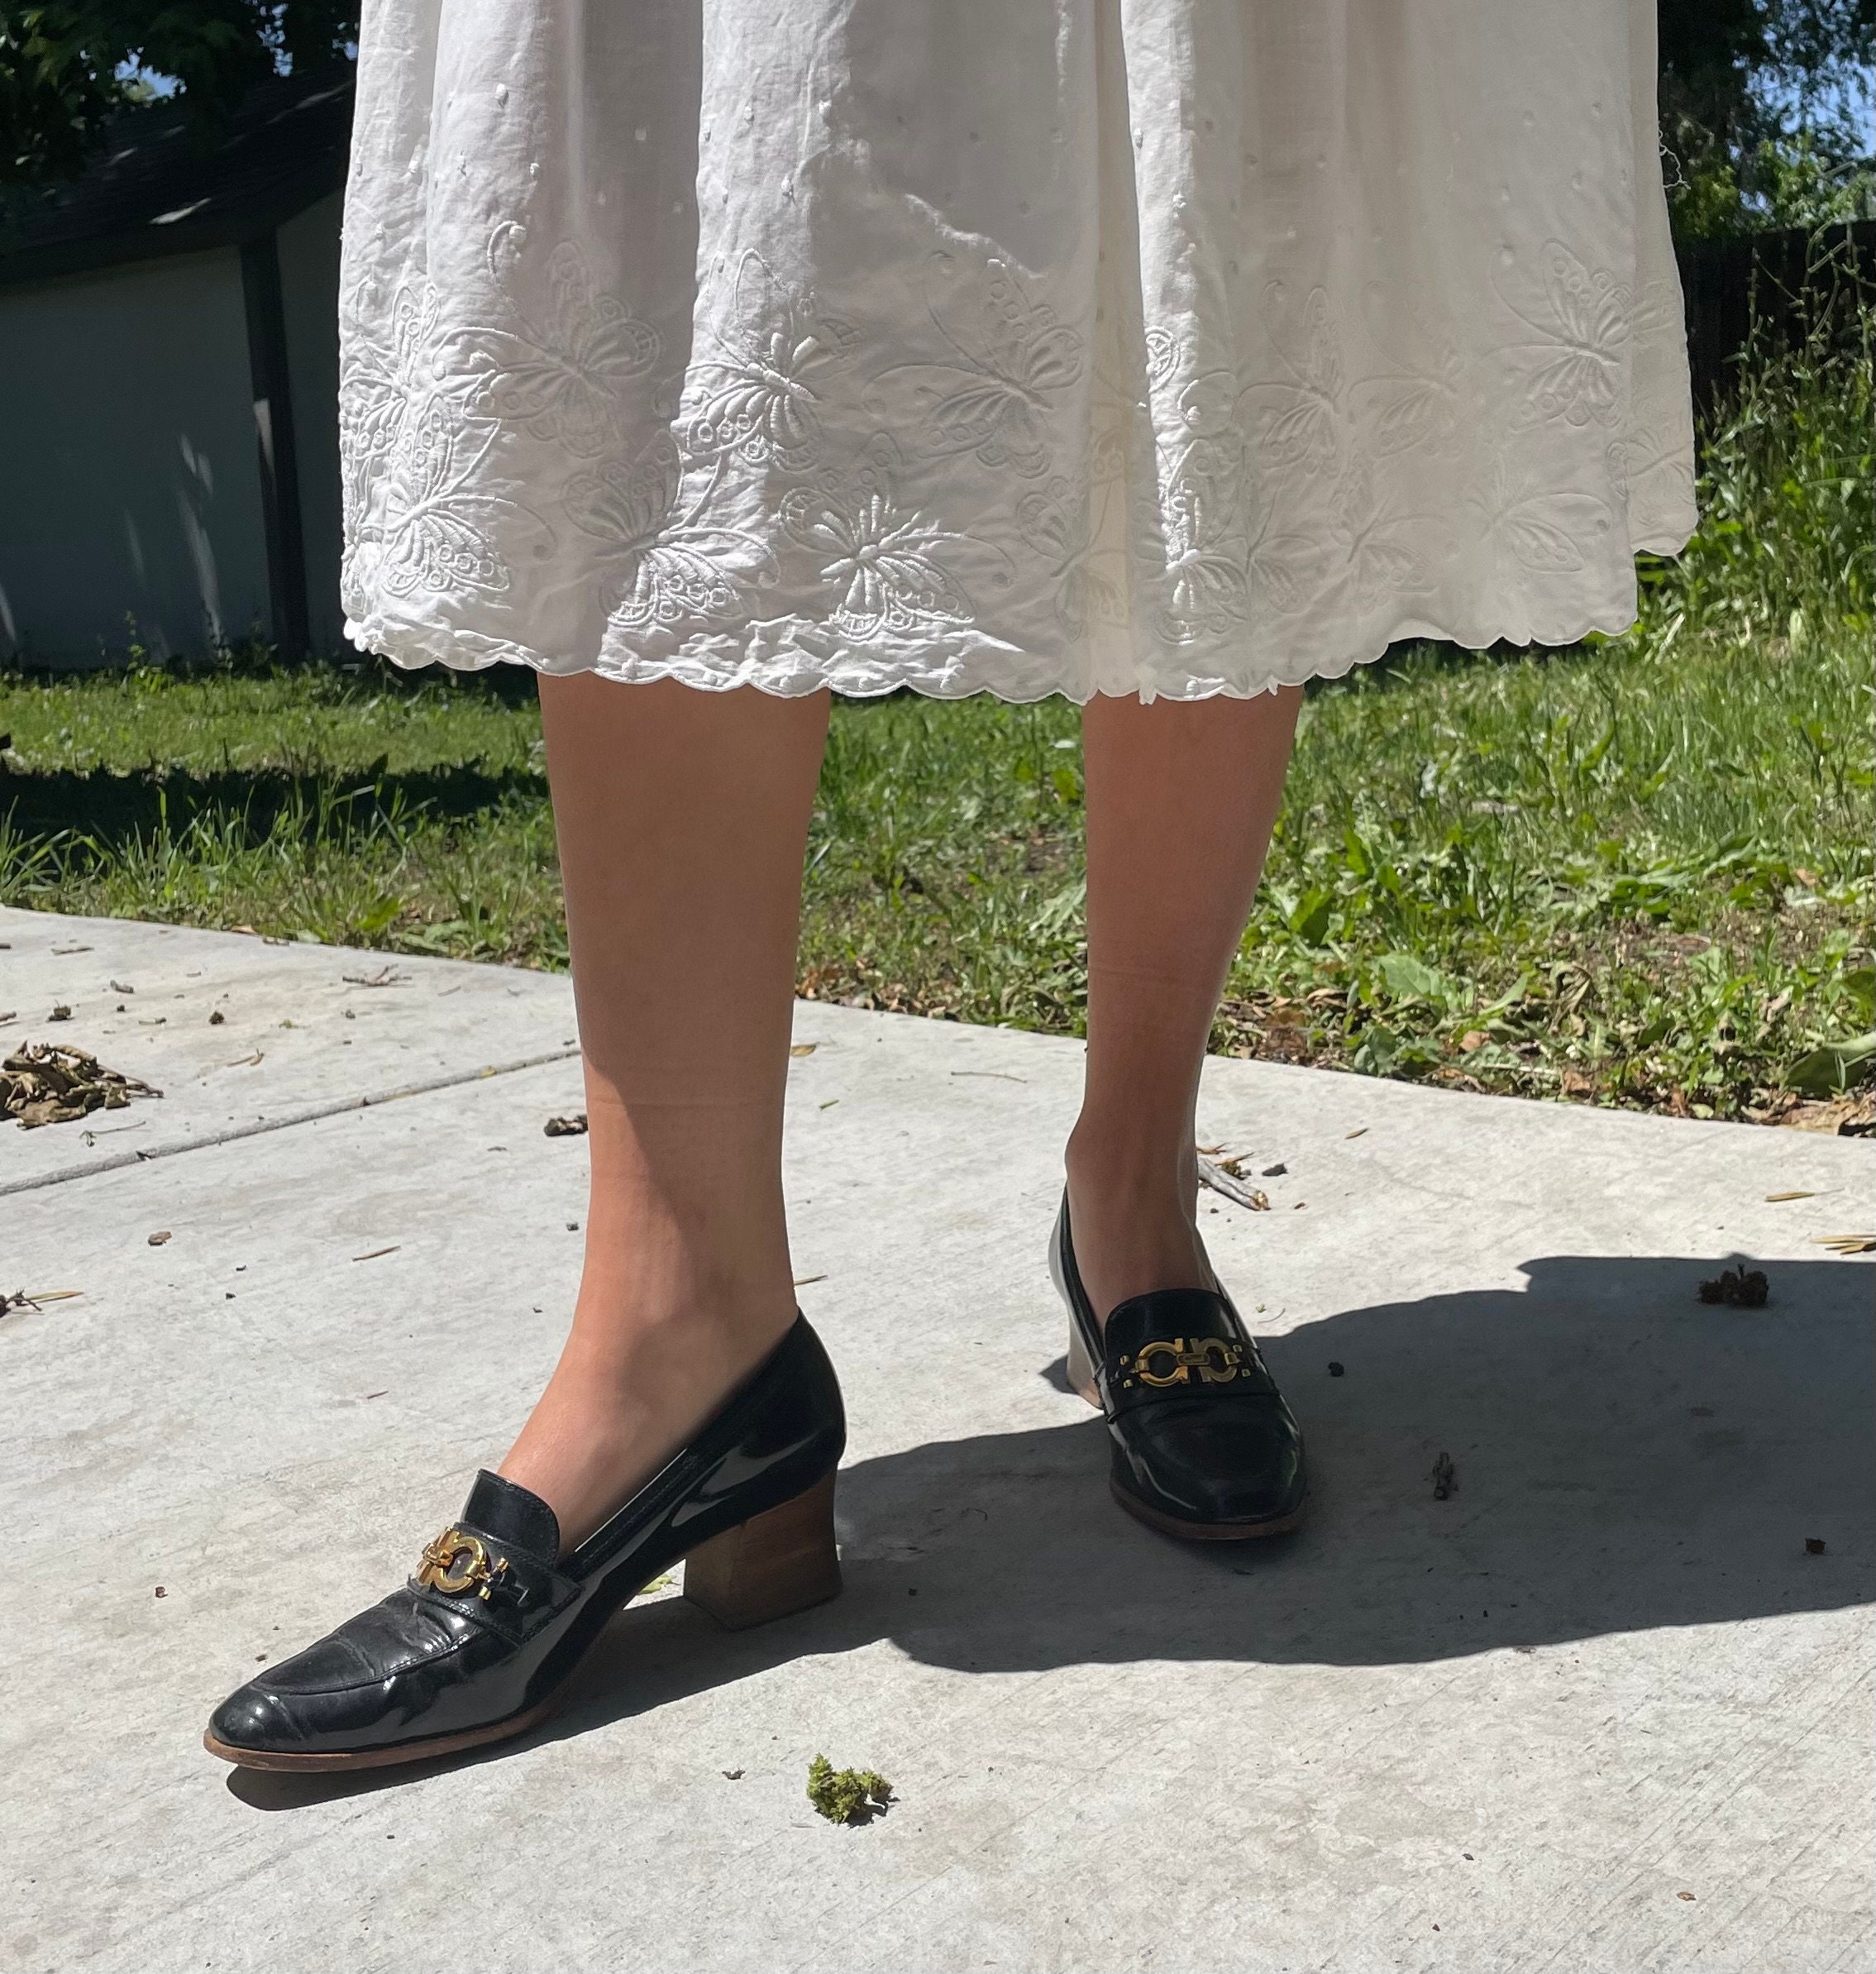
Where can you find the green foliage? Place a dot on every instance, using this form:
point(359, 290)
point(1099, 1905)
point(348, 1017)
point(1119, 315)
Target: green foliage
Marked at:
point(1787, 544)
point(1834, 1069)
point(67, 66)
point(1796, 178)
point(846, 1795)
point(1764, 111)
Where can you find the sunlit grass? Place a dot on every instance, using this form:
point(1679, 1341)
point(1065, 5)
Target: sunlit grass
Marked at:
point(1637, 872)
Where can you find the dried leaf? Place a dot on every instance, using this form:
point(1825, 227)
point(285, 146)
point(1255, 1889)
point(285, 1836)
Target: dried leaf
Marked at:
point(798, 1049)
point(1738, 1288)
point(573, 1126)
point(158, 1240)
point(1773, 1198)
point(43, 1082)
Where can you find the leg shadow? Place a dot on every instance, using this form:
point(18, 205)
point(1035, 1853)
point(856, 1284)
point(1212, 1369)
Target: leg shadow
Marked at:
point(1626, 1457)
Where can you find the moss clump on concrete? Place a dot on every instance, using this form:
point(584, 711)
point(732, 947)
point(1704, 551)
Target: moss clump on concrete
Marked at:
point(846, 1795)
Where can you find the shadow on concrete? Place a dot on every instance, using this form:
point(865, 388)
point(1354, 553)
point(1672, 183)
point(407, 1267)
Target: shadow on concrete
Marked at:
point(115, 809)
point(1627, 1459)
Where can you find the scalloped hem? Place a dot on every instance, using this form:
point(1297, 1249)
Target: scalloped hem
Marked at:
point(778, 658)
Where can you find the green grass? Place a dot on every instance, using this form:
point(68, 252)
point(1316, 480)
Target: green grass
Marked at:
point(1635, 873)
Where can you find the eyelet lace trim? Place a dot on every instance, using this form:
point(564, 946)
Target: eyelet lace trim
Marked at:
point(986, 505)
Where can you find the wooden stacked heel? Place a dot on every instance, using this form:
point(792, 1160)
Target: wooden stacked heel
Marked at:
point(769, 1567)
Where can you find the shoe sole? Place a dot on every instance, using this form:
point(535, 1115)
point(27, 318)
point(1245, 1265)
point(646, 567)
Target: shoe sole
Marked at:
point(1204, 1532)
point(764, 1569)
point(382, 1758)
point(1080, 1374)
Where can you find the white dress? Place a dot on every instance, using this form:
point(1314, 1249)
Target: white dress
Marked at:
point(1165, 346)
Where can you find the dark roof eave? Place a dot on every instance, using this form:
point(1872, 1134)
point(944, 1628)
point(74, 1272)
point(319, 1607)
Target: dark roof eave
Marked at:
point(156, 190)
point(216, 222)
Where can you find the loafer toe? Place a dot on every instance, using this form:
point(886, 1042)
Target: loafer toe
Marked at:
point(1217, 1463)
point(256, 1720)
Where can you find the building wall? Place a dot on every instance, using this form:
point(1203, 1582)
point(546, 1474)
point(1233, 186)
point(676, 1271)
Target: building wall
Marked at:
point(308, 246)
point(131, 490)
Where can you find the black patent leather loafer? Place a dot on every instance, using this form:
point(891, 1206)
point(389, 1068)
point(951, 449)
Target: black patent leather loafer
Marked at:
point(1203, 1445)
point(483, 1639)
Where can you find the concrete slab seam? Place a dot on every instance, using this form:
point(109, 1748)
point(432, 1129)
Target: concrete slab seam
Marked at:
point(310, 1113)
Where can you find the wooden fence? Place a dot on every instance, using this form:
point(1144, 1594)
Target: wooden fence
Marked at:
point(1785, 281)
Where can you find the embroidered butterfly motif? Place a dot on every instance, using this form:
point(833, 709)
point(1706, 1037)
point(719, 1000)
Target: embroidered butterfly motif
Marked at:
point(760, 398)
point(384, 377)
point(1545, 532)
point(434, 533)
point(567, 378)
point(1207, 554)
point(675, 570)
point(1385, 552)
point(995, 397)
point(1088, 583)
point(1297, 423)
point(1582, 345)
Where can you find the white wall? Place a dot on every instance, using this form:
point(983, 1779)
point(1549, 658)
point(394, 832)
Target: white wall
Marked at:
point(129, 486)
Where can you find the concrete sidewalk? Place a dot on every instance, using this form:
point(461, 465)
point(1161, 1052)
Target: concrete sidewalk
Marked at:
point(1600, 1710)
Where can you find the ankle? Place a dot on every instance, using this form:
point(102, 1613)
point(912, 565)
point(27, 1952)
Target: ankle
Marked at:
point(617, 1337)
point(1134, 1222)
point(1148, 1173)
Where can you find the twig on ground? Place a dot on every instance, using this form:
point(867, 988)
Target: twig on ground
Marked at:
point(1216, 1174)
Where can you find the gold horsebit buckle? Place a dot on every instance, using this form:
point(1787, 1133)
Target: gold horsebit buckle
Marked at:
point(457, 1561)
point(1216, 1360)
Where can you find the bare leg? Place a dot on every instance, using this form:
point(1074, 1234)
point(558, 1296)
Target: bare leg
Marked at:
point(1180, 801)
point(681, 817)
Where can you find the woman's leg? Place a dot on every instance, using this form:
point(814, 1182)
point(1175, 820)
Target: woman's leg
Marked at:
point(1181, 799)
point(682, 816)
